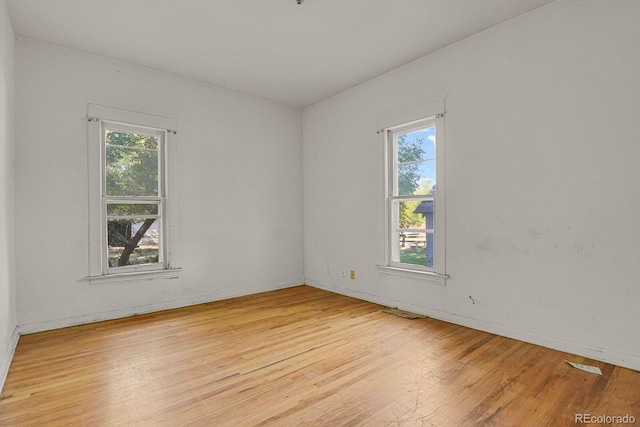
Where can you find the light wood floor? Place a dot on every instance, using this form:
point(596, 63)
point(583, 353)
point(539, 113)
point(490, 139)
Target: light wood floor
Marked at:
point(299, 356)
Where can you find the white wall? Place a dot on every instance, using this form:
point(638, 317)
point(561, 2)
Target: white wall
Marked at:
point(8, 331)
point(239, 170)
point(542, 177)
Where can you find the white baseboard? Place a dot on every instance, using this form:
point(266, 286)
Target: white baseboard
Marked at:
point(604, 355)
point(7, 356)
point(47, 325)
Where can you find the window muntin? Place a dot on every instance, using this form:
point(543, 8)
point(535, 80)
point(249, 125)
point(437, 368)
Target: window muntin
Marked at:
point(413, 173)
point(132, 197)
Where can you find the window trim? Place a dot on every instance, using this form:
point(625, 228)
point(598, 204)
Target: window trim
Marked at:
point(406, 121)
point(100, 118)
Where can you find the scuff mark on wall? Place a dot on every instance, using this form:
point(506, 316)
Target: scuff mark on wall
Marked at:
point(590, 251)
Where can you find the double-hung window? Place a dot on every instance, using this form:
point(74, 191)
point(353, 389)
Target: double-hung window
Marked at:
point(415, 196)
point(133, 197)
point(130, 219)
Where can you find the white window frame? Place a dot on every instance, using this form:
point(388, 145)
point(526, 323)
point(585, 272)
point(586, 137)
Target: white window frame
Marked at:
point(407, 121)
point(159, 200)
point(100, 118)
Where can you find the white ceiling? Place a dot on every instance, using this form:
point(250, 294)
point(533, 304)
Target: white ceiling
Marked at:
point(275, 49)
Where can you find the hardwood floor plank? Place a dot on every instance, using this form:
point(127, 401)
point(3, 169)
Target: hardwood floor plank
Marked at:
point(299, 356)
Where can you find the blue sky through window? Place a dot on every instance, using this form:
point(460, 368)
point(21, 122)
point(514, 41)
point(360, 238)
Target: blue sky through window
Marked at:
point(426, 165)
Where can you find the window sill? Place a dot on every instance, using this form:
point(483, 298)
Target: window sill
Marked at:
point(136, 276)
point(426, 276)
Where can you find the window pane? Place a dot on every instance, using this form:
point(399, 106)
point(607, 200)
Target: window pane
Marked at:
point(416, 248)
point(133, 242)
point(132, 209)
point(417, 145)
point(408, 214)
point(128, 139)
point(425, 209)
point(412, 248)
point(131, 171)
point(417, 178)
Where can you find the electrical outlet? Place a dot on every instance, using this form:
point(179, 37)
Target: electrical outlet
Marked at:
point(353, 274)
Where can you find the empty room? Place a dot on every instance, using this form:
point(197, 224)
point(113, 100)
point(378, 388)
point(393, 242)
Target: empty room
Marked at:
point(319, 212)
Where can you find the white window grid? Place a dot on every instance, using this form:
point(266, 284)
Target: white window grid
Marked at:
point(158, 200)
point(394, 199)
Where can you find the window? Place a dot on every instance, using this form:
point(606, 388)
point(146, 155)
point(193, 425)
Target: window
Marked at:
point(133, 196)
point(415, 196)
point(130, 217)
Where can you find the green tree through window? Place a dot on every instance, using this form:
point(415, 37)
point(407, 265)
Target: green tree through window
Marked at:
point(132, 188)
point(410, 152)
